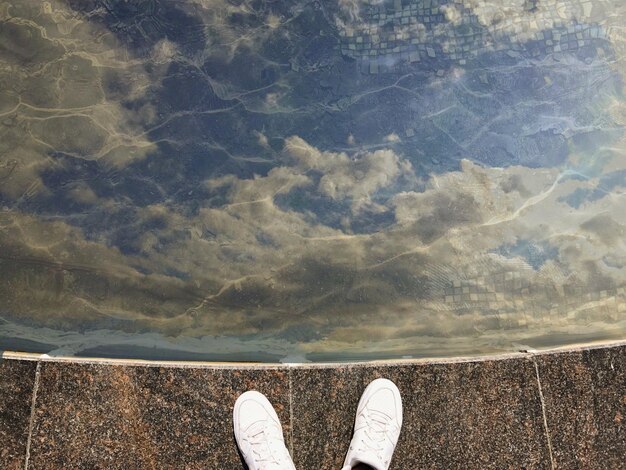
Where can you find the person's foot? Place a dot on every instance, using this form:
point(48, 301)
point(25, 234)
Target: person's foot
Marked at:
point(377, 426)
point(259, 434)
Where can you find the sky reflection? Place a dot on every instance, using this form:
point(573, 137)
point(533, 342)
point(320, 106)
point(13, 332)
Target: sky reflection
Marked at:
point(311, 180)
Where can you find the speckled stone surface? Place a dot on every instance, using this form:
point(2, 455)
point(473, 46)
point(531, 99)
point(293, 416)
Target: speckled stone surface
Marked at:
point(474, 414)
point(465, 415)
point(99, 416)
point(16, 387)
point(585, 398)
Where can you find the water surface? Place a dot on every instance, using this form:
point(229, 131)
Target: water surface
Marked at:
point(311, 180)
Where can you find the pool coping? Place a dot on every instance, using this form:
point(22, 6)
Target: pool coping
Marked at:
point(43, 357)
point(527, 408)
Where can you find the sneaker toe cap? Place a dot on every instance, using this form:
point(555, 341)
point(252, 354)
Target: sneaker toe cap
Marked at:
point(386, 400)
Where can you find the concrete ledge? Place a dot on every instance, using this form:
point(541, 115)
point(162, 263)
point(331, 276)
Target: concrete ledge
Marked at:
point(556, 409)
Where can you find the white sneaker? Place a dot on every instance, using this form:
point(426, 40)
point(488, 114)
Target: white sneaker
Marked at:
point(259, 434)
point(377, 426)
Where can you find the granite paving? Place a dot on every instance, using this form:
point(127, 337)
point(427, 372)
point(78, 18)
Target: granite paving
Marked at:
point(563, 410)
point(585, 398)
point(98, 416)
point(17, 379)
point(470, 415)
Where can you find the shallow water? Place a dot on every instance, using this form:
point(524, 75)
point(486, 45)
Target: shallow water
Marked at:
point(296, 180)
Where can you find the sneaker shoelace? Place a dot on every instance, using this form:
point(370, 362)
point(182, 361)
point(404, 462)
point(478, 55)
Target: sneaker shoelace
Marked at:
point(268, 449)
point(378, 425)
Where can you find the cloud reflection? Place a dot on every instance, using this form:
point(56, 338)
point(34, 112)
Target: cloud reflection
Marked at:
point(156, 191)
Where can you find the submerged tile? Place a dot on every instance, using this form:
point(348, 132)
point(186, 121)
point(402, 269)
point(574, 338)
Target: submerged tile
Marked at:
point(17, 379)
point(100, 416)
point(585, 398)
point(471, 415)
point(195, 180)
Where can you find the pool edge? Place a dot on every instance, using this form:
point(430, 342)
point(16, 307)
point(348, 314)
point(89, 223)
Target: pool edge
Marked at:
point(43, 357)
